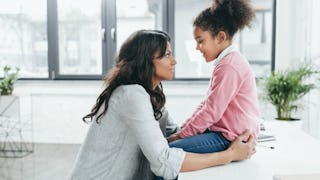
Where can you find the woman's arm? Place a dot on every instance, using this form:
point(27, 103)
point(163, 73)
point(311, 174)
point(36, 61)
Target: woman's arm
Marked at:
point(238, 150)
point(170, 126)
point(135, 110)
point(167, 125)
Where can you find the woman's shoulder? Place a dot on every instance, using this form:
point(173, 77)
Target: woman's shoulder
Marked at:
point(131, 91)
point(130, 88)
point(128, 96)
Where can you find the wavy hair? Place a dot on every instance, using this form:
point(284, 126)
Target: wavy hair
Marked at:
point(134, 66)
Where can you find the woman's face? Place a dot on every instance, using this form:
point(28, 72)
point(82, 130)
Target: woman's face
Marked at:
point(209, 46)
point(164, 66)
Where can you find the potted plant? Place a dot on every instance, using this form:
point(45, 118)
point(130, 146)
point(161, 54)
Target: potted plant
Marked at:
point(284, 88)
point(8, 80)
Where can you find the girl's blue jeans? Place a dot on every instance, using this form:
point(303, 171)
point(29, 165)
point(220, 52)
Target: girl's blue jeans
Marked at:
point(208, 142)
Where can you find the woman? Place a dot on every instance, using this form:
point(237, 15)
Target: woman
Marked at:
point(125, 139)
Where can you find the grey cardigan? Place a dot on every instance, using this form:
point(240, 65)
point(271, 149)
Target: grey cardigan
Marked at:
point(128, 141)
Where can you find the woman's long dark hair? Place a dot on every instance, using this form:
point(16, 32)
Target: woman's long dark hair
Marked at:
point(134, 66)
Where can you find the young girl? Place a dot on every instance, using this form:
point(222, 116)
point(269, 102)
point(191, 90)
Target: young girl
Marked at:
point(231, 104)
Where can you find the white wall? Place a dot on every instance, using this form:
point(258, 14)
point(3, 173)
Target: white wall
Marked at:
point(289, 33)
point(56, 108)
point(297, 30)
point(298, 41)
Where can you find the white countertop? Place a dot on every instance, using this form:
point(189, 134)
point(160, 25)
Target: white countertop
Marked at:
point(295, 152)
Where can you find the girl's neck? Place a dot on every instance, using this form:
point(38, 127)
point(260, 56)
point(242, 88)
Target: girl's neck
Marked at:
point(226, 44)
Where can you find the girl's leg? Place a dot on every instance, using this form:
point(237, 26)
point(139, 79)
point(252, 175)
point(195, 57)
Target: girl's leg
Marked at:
point(202, 143)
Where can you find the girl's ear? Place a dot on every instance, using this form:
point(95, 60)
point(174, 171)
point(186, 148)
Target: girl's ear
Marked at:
point(221, 36)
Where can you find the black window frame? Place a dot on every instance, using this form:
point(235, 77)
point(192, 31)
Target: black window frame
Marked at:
point(108, 24)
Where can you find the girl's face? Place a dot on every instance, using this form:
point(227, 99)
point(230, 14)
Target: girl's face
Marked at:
point(164, 66)
point(209, 46)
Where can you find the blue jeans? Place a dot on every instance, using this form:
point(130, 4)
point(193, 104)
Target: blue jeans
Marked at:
point(207, 142)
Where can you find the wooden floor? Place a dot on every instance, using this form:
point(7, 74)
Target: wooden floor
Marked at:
point(47, 162)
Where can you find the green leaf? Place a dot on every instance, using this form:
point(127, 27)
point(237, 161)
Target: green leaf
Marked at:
point(284, 88)
point(8, 80)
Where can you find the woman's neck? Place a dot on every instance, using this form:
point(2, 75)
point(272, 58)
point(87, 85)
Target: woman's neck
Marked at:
point(155, 84)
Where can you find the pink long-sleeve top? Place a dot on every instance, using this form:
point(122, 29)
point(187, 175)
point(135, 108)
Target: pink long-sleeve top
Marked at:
point(231, 105)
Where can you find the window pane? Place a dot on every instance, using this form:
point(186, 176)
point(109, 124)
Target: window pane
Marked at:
point(191, 64)
point(79, 37)
point(255, 42)
point(23, 37)
point(135, 15)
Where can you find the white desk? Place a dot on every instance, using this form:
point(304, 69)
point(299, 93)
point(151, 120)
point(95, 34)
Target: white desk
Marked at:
point(295, 153)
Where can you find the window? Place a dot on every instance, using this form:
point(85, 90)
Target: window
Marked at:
point(80, 39)
point(255, 42)
point(23, 37)
point(190, 61)
point(80, 48)
point(135, 15)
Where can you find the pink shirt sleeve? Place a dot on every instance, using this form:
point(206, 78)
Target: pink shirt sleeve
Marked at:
point(224, 86)
point(194, 114)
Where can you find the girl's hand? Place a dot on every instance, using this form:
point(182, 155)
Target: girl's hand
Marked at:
point(173, 137)
point(243, 147)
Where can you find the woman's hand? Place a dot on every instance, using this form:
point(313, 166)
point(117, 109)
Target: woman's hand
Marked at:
point(173, 137)
point(243, 147)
